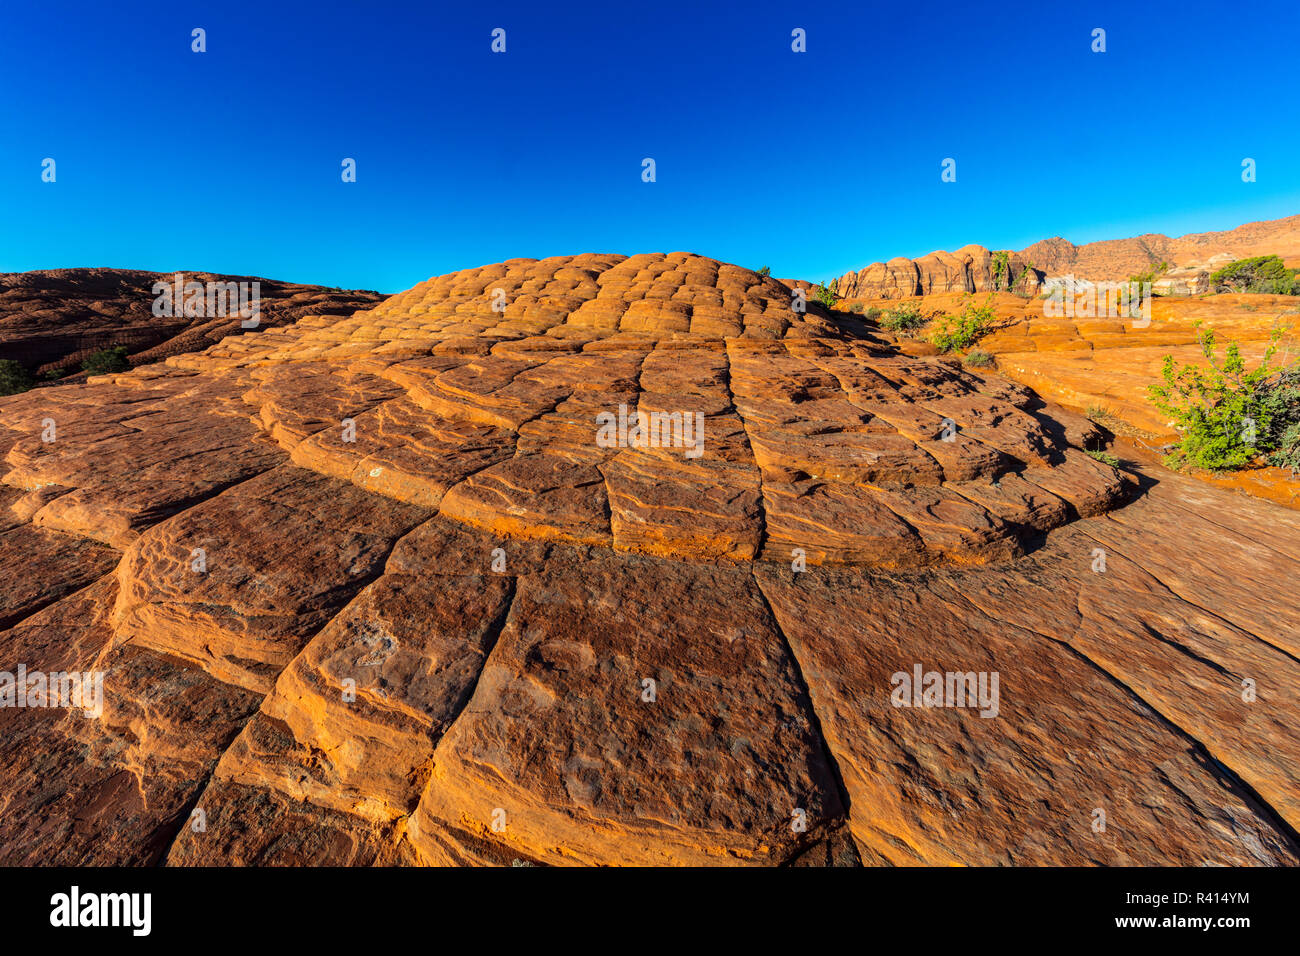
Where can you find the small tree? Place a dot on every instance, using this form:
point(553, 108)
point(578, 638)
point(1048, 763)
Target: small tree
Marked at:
point(107, 361)
point(825, 293)
point(14, 378)
point(1256, 274)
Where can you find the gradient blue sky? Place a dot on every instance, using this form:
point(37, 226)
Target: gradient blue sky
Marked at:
point(812, 163)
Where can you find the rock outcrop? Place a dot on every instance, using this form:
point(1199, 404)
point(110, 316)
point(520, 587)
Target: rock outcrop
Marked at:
point(51, 320)
point(969, 269)
point(406, 587)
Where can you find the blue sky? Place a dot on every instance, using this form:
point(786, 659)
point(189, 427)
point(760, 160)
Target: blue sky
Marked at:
point(812, 163)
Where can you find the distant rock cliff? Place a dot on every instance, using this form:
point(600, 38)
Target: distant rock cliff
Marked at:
point(1190, 261)
point(969, 269)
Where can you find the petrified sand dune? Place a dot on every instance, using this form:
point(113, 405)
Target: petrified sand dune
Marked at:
point(368, 590)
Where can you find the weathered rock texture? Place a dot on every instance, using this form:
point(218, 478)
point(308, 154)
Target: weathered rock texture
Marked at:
point(369, 591)
point(51, 320)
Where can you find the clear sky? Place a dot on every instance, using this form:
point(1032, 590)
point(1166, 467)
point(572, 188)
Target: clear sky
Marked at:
point(812, 163)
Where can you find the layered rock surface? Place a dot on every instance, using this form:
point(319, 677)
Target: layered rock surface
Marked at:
point(373, 590)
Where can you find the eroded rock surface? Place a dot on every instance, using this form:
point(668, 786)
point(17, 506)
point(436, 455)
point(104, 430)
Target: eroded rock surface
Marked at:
point(379, 590)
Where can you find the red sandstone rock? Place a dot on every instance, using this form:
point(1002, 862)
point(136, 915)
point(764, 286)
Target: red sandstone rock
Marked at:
point(438, 622)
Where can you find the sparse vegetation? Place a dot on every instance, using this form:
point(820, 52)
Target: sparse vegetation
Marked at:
point(1030, 270)
point(856, 308)
point(1150, 275)
point(764, 271)
point(1282, 399)
point(1257, 274)
point(906, 318)
point(956, 332)
point(825, 294)
point(1287, 453)
point(14, 378)
point(978, 358)
point(1227, 415)
point(1105, 457)
point(106, 361)
point(873, 314)
point(1001, 270)
point(1102, 415)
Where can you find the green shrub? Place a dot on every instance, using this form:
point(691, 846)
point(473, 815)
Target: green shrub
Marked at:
point(1105, 457)
point(1257, 274)
point(873, 314)
point(1282, 401)
point(905, 318)
point(1225, 412)
point(857, 308)
point(764, 272)
point(1287, 453)
point(14, 378)
point(106, 361)
point(954, 332)
point(978, 358)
